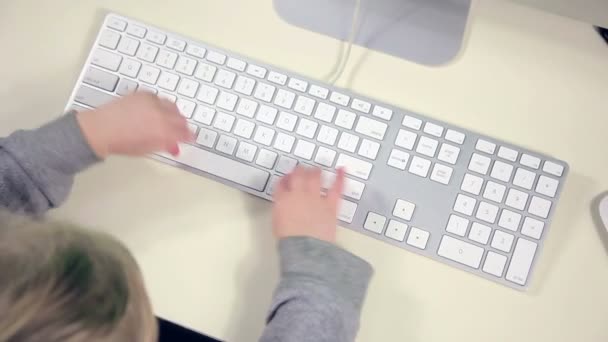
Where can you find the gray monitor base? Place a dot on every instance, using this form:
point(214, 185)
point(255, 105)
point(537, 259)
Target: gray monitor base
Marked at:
point(429, 32)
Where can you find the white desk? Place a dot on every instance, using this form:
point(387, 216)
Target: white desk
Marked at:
point(206, 250)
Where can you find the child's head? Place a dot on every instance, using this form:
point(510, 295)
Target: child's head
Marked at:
point(60, 283)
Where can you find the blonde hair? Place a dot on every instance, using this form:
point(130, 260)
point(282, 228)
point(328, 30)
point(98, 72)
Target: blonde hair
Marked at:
point(61, 283)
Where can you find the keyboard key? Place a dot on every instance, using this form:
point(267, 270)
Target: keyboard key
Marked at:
point(418, 238)
point(347, 211)
point(207, 94)
point(264, 92)
point(485, 146)
point(345, 119)
point(521, 261)
point(516, 199)
point(264, 135)
point(494, 264)
point(187, 88)
point(454, 136)
point(156, 37)
point(166, 96)
point(168, 81)
point(530, 161)
point(236, 64)
point(501, 171)
point(227, 101)
point(369, 149)
point(412, 122)
point(246, 151)
point(457, 225)
point(277, 78)
point(319, 92)
point(372, 128)
point(494, 192)
point(136, 30)
point(176, 44)
point(539, 207)
point(128, 46)
point(420, 166)
point(272, 184)
point(382, 113)
point(396, 230)
point(307, 128)
point(480, 233)
point(507, 153)
point(247, 108)
point(286, 165)
point(244, 128)
point(433, 129)
point(441, 174)
point(166, 59)
point(304, 105)
point(185, 65)
point(353, 166)
point(509, 220)
point(298, 84)
point(464, 205)
point(304, 149)
point(327, 135)
point(225, 79)
point(204, 115)
point(471, 184)
point(91, 97)
point(266, 158)
point(221, 167)
point(109, 39)
point(287, 121)
point(339, 98)
point(360, 105)
point(479, 164)
point(524, 178)
point(460, 251)
point(149, 74)
point(226, 144)
point(186, 108)
point(532, 228)
point(427, 146)
point(284, 142)
point(195, 51)
point(126, 87)
point(224, 121)
point(130, 68)
point(266, 115)
point(348, 142)
point(205, 72)
point(325, 112)
point(100, 79)
point(325, 156)
point(487, 212)
point(553, 168)
point(106, 59)
point(284, 99)
point(374, 223)
point(256, 71)
point(398, 159)
point(448, 153)
point(116, 24)
point(406, 139)
point(143, 87)
point(404, 210)
point(547, 186)
point(216, 57)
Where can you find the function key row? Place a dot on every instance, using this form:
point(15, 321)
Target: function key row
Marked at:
point(433, 129)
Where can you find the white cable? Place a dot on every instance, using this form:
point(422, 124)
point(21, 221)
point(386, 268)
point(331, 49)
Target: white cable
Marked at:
point(353, 32)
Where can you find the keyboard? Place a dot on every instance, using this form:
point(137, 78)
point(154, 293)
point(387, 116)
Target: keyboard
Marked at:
point(462, 198)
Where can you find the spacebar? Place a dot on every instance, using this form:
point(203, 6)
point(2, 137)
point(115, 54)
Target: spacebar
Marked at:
point(219, 166)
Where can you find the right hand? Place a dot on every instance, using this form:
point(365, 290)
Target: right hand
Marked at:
point(301, 210)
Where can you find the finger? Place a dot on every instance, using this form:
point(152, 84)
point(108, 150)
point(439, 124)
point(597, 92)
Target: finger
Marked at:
point(173, 149)
point(297, 179)
point(169, 107)
point(334, 194)
point(281, 188)
point(313, 180)
point(178, 129)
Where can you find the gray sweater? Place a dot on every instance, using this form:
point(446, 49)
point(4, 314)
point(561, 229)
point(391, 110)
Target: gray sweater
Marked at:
point(322, 287)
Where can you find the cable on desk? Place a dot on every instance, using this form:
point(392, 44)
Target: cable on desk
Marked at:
point(351, 39)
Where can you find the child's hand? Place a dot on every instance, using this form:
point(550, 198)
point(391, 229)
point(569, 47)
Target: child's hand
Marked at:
point(135, 125)
point(301, 210)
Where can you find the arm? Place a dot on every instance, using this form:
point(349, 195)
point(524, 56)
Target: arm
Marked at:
point(322, 287)
point(37, 167)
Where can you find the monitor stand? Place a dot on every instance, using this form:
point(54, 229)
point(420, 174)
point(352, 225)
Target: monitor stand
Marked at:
point(428, 32)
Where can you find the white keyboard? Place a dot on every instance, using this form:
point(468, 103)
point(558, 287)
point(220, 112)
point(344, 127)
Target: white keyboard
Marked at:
point(429, 187)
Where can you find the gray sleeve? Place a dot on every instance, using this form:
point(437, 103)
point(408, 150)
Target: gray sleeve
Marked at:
point(37, 167)
point(320, 294)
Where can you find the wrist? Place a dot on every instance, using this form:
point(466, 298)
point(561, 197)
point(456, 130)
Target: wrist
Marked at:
point(92, 133)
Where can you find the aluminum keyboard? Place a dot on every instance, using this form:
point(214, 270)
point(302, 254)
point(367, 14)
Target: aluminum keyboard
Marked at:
point(426, 186)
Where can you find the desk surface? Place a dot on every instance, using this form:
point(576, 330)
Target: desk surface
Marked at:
point(206, 250)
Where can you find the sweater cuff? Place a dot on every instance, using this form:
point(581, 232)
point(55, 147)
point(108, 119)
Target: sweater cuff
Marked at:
point(345, 273)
